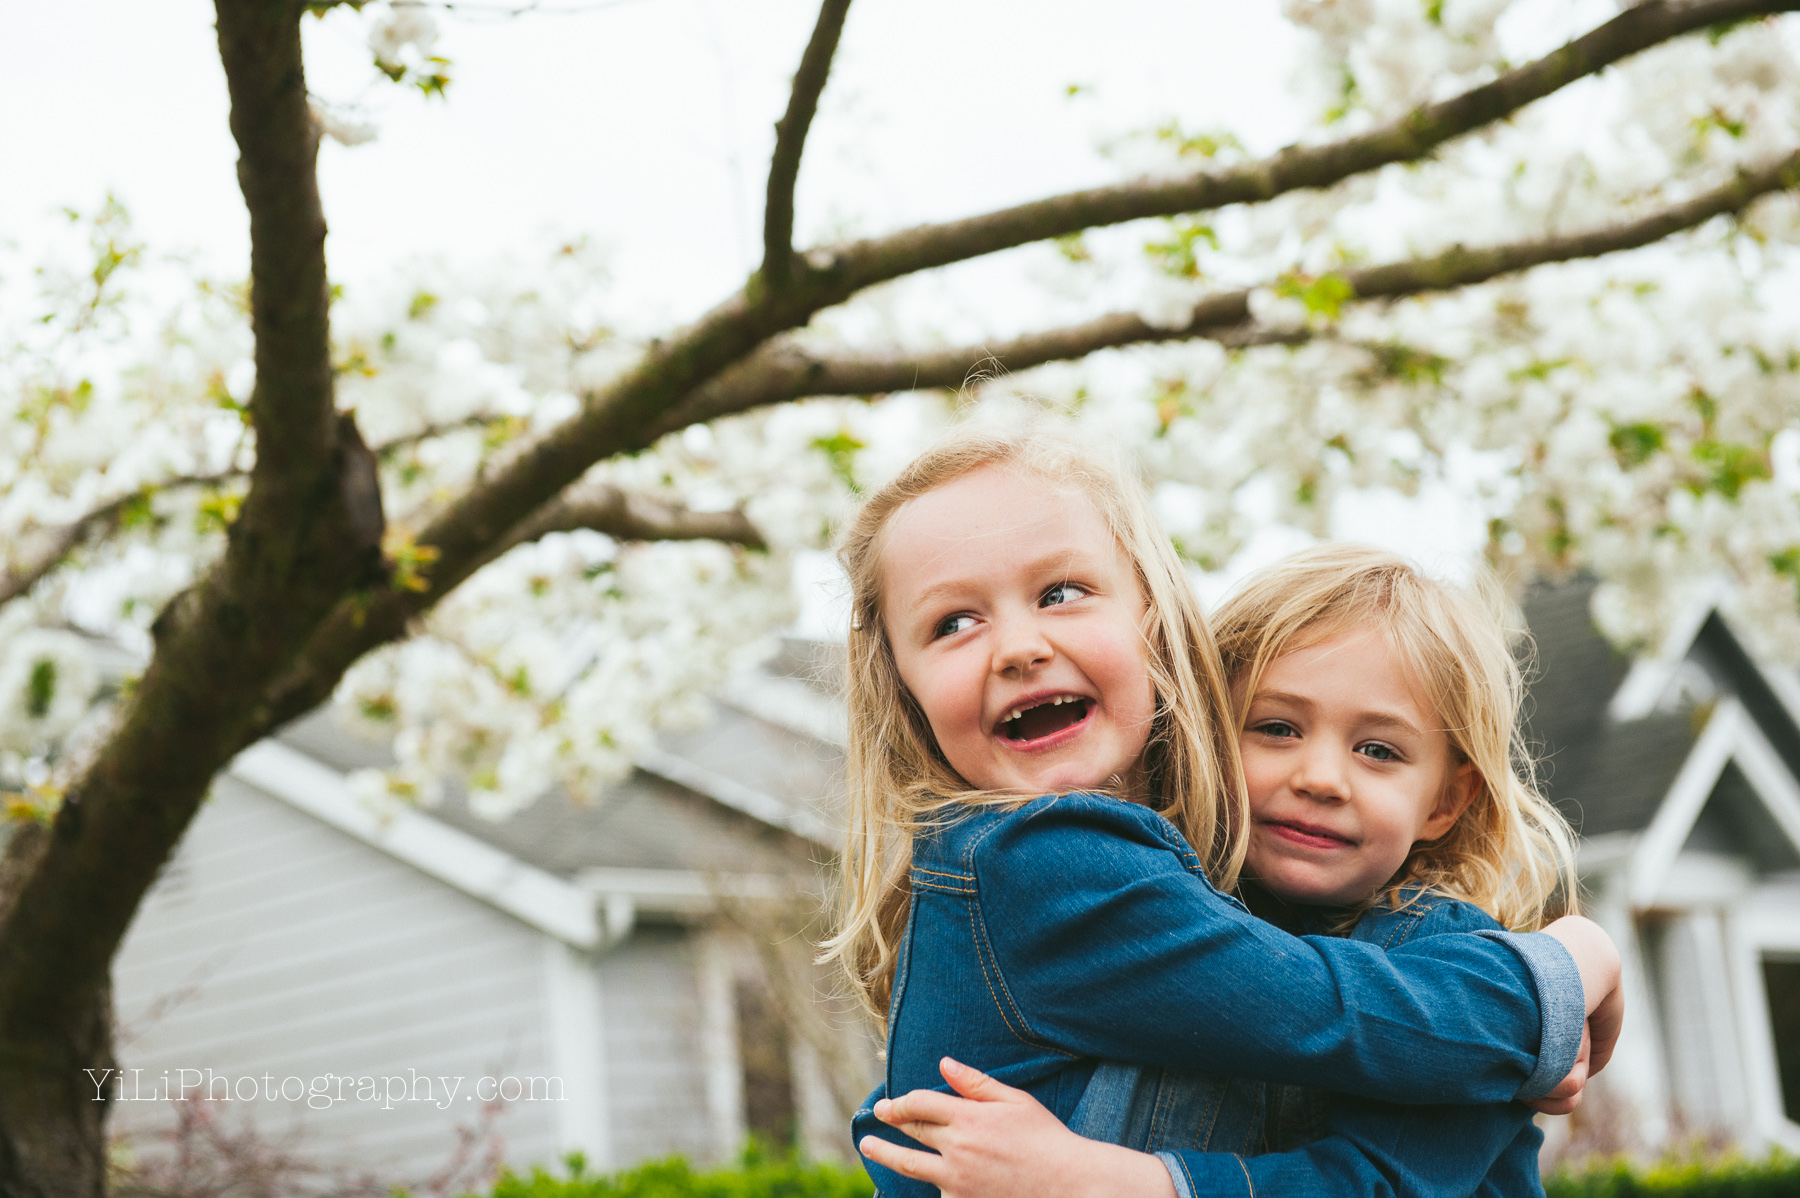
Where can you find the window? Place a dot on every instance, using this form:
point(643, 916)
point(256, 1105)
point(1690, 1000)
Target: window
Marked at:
point(1781, 980)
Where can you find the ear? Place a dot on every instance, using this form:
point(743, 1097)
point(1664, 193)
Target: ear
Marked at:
point(1453, 800)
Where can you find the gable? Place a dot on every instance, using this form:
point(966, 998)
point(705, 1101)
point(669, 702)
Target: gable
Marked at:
point(1694, 749)
point(1734, 801)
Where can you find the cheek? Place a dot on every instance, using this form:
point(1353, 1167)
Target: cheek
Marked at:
point(1262, 776)
point(946, 693)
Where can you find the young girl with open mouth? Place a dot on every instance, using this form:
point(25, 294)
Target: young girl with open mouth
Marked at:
point(1045, 810)
point(1389, 796)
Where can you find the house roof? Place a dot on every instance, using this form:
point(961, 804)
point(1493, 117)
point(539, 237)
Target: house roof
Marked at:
point(743, 794)
point(1574, 675)
point(1615, 735)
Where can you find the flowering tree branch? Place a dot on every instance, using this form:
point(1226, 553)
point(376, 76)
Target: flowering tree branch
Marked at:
point(632, 411)
point(623, 517)
point(49, 547)
point(784, 371)
point(790, 140)
point(53, 545)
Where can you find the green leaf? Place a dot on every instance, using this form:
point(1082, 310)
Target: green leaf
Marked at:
point(1073, 246)
point(840, 450)
point(40, 688)
point(1634, 444)
point(1180, 254)
point(1324, 295)
point(1729, 467)
point(1406, 364)
point(217, 511)
point(1197, 143)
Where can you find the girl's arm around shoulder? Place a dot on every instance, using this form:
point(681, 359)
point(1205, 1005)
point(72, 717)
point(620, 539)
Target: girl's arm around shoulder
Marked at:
point(1105, 941)
point(996, 1142)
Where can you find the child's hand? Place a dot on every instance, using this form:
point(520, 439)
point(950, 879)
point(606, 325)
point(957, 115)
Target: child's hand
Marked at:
point(1598, 960)
point(998, 1142)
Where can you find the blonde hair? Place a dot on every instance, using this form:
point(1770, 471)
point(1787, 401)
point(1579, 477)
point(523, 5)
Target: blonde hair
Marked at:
point(898, 778)
point(1510, 852)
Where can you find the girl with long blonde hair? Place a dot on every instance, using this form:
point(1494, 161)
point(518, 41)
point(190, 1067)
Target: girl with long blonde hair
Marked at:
point(1045, 804)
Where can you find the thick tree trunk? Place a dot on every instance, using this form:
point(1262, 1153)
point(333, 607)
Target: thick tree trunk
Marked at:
point(53, 1109)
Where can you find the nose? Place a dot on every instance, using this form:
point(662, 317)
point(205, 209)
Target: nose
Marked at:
point(1319, 773)
point(1020, 647)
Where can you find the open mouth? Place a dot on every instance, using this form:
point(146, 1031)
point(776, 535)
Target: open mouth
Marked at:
point(1045, 718)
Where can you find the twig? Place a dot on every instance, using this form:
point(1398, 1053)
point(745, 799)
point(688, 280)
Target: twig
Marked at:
point(605, 508)
point(790, 140)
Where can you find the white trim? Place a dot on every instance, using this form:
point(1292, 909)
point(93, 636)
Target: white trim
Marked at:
point(1602, 853)
point(1650, 675)
point(577, 1054)
point(789, 703)
point(1766, 921)
point(1785, 686)
point(473, 866)
point(1674, 819)
point(720, 1056)
point(1769, 776)
point(672, 891)
point(737, 796)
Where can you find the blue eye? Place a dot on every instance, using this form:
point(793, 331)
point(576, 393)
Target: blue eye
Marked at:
point(1280, 729)
point(951, 625)
point(1062, 592)
point(1377, 751)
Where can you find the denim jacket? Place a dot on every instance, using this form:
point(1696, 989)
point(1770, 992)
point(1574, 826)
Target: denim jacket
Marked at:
point(1378, 1149)
point(1046, 937)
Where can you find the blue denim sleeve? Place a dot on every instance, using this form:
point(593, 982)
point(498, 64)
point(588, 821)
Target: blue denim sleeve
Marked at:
point(864, 1123)
point(1562, 1001)
point(1554, 976)
point(1100, 942)
point(1380, 1150)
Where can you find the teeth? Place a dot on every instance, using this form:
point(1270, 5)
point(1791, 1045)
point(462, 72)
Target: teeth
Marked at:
point(1015, 715)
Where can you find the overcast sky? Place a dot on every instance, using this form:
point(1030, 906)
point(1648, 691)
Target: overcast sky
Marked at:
point(646, 124)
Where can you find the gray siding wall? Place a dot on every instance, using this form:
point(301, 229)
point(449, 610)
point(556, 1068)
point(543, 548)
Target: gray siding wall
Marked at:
point(654, 1048)
point(276, 945)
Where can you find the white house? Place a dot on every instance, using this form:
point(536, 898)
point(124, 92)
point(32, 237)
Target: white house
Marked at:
point(1680, 770)
point(384, 992)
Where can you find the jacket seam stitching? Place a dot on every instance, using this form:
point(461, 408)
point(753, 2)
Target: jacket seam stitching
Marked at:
point(1193, 1186)
point(1246, 1168)
point(985, 955)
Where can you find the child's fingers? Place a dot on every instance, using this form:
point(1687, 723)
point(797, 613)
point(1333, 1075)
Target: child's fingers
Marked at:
point(972, 1083)
point(919, 1106)
point(1605, 1024)
point(927, 1167)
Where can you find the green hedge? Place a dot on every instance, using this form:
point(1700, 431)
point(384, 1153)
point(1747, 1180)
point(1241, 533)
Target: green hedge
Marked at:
point(1776, 1177)
point(762, 1174)
point(759, 1174)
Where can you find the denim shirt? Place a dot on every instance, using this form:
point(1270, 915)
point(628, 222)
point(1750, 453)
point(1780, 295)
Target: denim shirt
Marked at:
point(1202, 1127)
point(1046, 937)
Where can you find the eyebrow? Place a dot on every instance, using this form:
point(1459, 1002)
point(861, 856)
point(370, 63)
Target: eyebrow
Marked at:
point(1066, 561)
point(1377, 719)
